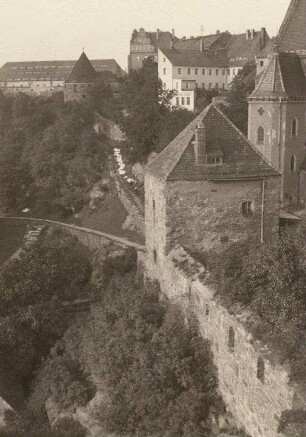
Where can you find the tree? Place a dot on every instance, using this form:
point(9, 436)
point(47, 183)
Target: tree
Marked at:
point(237, 104)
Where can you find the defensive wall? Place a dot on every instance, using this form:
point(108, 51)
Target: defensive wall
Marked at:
point(254, 387)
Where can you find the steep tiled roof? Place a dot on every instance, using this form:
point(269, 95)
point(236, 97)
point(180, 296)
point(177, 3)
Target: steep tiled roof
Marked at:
point(163, 41)
point(268, 49)
point(241, 160)
point(241, 47)
point(292, 33)
point(51, 70)
point(193, 58)
point(284, 77)
point(106, 77)
point(210, 42)
point(83, 71)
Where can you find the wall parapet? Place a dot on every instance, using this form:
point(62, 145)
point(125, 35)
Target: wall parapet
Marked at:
point(255, 389)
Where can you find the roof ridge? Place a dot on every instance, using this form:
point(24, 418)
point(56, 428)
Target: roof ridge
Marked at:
point(246, 138)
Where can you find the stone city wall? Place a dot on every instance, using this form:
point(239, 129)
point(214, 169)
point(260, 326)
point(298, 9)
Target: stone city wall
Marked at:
point(256, 404)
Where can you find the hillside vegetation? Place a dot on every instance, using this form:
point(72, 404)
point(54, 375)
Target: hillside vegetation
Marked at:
point(50, 155)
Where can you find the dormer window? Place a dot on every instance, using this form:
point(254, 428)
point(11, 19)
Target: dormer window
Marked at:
point(214, 160)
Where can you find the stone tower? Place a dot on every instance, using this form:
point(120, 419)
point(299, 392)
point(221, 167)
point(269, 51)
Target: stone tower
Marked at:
point(209, 187)
point(277, 107)
point(80, 81)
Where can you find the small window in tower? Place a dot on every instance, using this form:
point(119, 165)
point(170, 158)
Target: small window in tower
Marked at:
point(260, 135)
point(247, 208)
point(261, 369)
point(153, 203)
point(155, 255)
point(207, 309)
point(231, 339)
point(261, 63)
point(293, 164)
point(294, 128)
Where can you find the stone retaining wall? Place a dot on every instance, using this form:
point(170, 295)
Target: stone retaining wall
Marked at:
point(256, 404)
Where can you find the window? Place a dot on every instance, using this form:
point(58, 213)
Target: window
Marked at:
point(188, 70)
point(207, 310)
point(176, 85)
point(195, 71)
point(179, 71)
point(261, 63)
point(183, 100)
point(247, 208)
point(217, 86)
point(164, 59)
point(210, 72)
point(217, 72)
point(293, 164)
point(164, 71)
point(214, 160)
point(231, 339)
point(228, 71)
point(223, 86)
point(196, 85)
point(187, 85)
point(177, 101)
point(84, 96)
point(188, 100)
point(209, 86)
point(153, 204)
point(261, 369)
point(154, 255)
point(294, 127)
point(260, 135)
point(203, 86)
point(223, 72)
point(203, 71)
point(234, 72)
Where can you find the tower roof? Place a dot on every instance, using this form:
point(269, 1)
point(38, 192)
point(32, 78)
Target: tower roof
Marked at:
point(241, 160)
point(292, 33)
point(284, 77)
point(83, 71)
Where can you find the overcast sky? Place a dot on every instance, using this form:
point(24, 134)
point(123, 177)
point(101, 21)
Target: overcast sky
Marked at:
point(59, 29)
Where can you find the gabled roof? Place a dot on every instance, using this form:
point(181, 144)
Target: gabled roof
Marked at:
point(241, 160)
point(241, 47)
point(214, 41)
point(83, 71)
point(284, 77)
point(164, 39)
point(193, 58)
point(292, 33)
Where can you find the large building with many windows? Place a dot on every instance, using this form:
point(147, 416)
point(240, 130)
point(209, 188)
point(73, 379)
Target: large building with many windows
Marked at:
point(206, 62)
point(46, 77)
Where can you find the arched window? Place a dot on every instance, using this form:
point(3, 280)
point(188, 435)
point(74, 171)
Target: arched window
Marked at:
point(294, 127)
point(293, 164)
point(261, 369)
point(231, 339)
point(260, 135)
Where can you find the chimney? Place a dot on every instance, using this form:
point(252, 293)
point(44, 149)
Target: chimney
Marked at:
point(248, 34)
point(173, 33)
point(263, 37)
point(157, 34)
point(202, 45)
point(200, 143)
point(217, 32)
point(252, 33)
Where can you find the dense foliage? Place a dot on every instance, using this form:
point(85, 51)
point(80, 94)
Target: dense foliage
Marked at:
point(156, 377)
point(269, 280)
point(237, 105)
point(148, 121)
point(33, 288)
point(50, 155)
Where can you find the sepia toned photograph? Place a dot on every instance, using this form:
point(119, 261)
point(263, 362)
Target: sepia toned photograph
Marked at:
point(152, 218)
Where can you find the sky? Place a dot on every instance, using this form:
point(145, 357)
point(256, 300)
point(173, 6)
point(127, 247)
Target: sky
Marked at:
point(59, 29)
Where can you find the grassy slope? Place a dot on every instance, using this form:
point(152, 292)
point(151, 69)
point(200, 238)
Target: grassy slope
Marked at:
point(11, 236)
